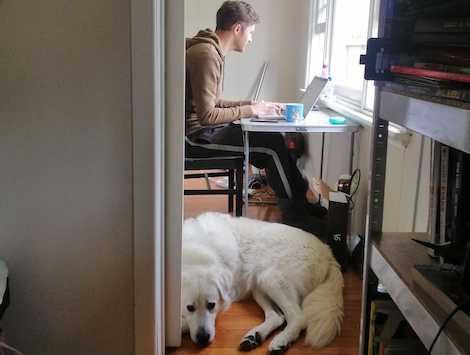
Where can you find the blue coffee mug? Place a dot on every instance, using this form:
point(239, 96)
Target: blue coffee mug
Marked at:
point(294, 112)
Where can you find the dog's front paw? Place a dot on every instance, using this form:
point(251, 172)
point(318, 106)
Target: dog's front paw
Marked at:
point(278, 351)
point(249, 342)
point(278, 346)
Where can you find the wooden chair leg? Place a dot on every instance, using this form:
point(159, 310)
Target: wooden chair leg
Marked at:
point(231, 184)
point(239, 191)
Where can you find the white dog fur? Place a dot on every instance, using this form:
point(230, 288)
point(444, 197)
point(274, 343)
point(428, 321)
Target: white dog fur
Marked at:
point(291, 274)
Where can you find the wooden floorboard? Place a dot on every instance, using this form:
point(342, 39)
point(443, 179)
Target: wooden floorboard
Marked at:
point(242, 316)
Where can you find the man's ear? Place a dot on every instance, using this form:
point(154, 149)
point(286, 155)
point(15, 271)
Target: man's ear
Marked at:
point(224, 282)
point(237, 28)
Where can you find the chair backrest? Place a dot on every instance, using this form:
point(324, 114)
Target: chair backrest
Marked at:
point(194, 150)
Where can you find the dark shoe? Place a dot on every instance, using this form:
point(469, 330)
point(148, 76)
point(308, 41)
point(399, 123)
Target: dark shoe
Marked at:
point(302, 208)
point(315, 209)
point(301, 219)
point(256, 182)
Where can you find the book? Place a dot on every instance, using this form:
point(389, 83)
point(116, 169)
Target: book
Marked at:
point(434, 194)
point(455, 189)
point(442, 67)
point(446, 55)
point(444, 165)
point(409, 86)
point(431, 8)
point(416, 92)
point(435, 74)
point(384, 319)
point(443, 39)
point(464, 211)
point(439, 25)
point(372, 317)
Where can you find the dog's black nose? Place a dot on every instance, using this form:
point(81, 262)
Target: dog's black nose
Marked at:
point(202, 337)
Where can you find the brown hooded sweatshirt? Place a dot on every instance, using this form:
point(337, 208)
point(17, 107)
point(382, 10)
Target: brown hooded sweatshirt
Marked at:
point(204, 77)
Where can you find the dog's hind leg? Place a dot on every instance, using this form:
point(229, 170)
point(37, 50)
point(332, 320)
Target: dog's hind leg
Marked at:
point(272, 321)
point(288, 301)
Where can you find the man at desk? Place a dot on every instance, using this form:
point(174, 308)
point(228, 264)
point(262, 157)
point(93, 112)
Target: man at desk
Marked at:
point(209, 119)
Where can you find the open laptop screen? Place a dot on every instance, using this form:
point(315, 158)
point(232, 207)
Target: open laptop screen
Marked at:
point(312, 93)
point(309, 99)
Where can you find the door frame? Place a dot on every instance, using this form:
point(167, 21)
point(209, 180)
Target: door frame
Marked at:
point(157, 38)
point(148, 179)
point(175, 81)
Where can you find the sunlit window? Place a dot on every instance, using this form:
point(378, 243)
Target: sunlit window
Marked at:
point(318, 41)
point(349, 40)
point(321, 15)
point(341, 29)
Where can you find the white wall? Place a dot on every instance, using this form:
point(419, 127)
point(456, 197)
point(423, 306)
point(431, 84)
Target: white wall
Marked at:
point(66, 175)
point(280, 38)
point(405, 184)
point(402, 187)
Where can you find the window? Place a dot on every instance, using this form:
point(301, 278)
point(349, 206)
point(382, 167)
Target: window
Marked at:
point(321, 12)
point(339, 36)
point(317, 52)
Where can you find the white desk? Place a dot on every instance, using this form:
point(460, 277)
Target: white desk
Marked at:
point(315, 122)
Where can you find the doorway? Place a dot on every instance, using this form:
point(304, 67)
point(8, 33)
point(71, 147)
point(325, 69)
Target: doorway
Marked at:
point(241, 317)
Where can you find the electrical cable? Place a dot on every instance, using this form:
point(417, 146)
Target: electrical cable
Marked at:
point(4, 345)
point(449, 317)
point(356, 179)
point(351, 202)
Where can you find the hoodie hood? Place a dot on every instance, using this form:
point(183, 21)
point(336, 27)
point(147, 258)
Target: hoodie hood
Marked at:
point(206, 36)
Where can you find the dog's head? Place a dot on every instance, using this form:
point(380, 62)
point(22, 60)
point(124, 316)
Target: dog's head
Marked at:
point(204, 294)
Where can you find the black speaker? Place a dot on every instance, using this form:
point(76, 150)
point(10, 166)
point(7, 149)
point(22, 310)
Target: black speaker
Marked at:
point(337, 231)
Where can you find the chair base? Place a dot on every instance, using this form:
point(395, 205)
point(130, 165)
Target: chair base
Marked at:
point(232, 169)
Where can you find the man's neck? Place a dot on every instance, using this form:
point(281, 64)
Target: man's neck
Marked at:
point(225, 41)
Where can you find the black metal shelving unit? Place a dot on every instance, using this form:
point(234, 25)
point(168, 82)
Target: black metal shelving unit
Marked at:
point(390, 257)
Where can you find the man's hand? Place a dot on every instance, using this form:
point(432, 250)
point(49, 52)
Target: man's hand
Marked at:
point(280, 106)
point(267, 108)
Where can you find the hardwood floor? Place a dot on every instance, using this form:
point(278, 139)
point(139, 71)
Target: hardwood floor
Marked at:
point(242, 316)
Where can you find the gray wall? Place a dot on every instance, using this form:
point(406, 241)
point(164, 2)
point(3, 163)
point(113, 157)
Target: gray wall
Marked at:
point(66, 175)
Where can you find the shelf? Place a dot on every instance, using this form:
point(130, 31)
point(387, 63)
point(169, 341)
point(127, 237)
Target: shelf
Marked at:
point(447, 124)
point(393, 256)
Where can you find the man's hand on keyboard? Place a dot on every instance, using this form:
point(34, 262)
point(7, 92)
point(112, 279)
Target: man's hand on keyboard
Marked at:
point(267, 108)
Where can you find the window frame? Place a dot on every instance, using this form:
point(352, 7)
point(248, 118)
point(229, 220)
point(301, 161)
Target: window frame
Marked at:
point(320, 27)
point(345, 95)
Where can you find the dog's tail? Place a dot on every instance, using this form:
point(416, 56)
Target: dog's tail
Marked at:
point(323, 308)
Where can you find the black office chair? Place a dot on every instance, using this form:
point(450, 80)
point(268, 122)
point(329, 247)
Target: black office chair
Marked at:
point(200, 158)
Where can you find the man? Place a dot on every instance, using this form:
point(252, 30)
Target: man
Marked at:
point(209, 119)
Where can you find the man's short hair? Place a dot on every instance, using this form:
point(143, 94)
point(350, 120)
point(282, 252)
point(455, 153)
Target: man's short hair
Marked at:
point(232, 12)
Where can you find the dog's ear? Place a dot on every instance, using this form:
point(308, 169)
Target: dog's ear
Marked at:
point(224, 282)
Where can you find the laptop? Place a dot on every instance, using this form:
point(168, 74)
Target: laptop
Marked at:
point(309, 99)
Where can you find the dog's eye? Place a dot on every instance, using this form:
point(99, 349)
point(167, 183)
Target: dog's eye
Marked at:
point(190, 308)
point(210, 306)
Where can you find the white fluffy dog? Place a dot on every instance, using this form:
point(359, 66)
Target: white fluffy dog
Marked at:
point(291, 274)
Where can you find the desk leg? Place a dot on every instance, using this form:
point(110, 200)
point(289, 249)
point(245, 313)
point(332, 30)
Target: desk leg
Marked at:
point(246, 143)
point(351, 157)
point(322, 154)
